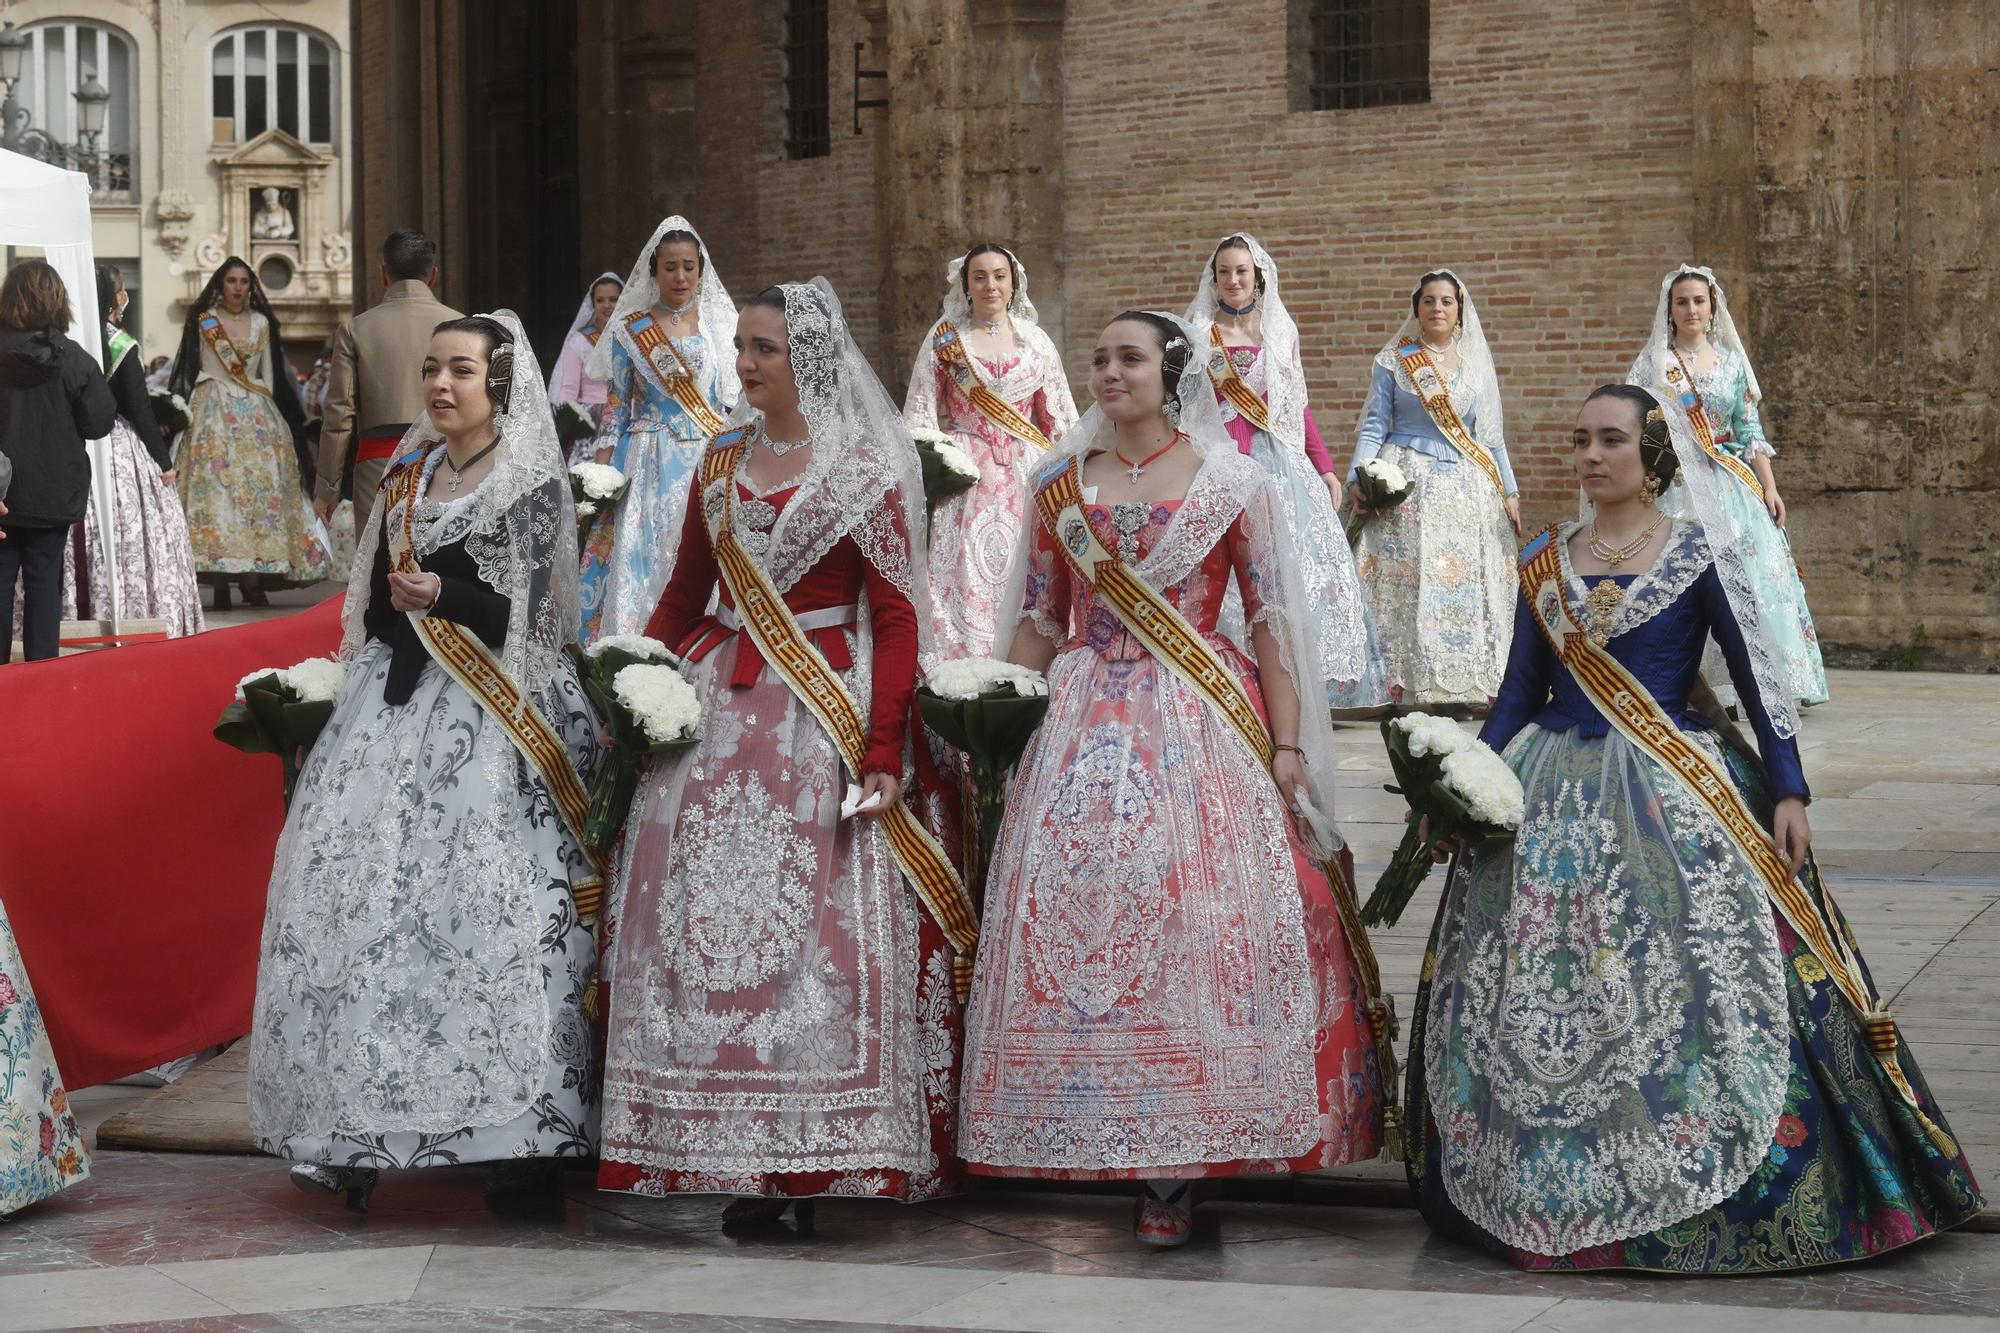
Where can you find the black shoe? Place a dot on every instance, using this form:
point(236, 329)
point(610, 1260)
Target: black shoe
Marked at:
point(356, 1182)
point(747, 1213)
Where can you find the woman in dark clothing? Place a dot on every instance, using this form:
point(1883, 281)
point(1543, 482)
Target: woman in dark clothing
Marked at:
point(150, 557)
point(52, 399)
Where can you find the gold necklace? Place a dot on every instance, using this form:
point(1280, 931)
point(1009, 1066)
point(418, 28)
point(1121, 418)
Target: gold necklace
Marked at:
point(1615, 556)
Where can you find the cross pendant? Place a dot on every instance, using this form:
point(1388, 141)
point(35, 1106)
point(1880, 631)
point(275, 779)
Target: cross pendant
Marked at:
point(1133, 472)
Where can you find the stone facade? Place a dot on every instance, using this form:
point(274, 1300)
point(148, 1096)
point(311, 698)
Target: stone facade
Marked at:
point(196, 178)
point(1837, 176)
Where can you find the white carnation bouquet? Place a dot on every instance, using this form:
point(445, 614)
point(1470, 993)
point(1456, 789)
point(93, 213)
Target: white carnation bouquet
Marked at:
point(1383, 486)
point(648, 707)
point(947, 468)
point(1459, 785)
point(281, 711)
point(596, 488)
point(987, 709)
point(170, 411)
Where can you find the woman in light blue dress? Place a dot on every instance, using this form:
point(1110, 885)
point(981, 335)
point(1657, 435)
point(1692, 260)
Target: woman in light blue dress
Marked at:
point(1696, 356)
point(1438, 569)
point(647, 434)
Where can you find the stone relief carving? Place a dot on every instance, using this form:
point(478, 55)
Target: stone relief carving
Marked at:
point(173, 210)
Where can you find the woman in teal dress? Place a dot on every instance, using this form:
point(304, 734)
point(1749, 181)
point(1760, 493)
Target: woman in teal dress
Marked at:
point(1696, 355)
point(1629, 1051)
point(647, 433)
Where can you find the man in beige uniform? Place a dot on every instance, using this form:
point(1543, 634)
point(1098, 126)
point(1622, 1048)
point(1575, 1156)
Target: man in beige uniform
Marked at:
point(375, 387)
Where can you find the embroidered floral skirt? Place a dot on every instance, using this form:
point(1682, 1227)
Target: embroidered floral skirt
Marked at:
point(1841, 1169)
point(1781, 595)
point(974, 536)
point(1162, 987)
point(41, 1149)
point(1440, 574)
point(781, 1013)
point(420, 991)
point(239, 487)
point(630, 556)
point(154, 567)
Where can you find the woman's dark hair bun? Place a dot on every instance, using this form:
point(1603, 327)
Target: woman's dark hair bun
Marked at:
point(1656, 443)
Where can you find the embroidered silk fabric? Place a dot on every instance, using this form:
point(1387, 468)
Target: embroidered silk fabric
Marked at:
point(41, 1149)
point(239, 475)
point(154, 566)
point(1162, 986)
point(1607, 1032)
point(1348, 654)
point(974, 534)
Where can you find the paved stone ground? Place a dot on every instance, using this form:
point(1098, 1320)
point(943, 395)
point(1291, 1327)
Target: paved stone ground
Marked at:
point(1907, 773)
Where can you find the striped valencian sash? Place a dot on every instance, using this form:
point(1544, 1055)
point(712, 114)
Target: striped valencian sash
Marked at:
point(1178, 646)
point(1630, 707)
point(1680, 379)
point(1249, 404)
point(226, 351)
point(1430, 387)
point(660, 359)
point(783, 643)
point(471, 663)
point(951, 353)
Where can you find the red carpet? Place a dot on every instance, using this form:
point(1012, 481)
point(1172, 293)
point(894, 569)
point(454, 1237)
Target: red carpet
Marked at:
point(135, 848)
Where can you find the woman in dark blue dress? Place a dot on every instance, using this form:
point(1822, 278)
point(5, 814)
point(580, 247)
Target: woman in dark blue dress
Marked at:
point(1645, 1039)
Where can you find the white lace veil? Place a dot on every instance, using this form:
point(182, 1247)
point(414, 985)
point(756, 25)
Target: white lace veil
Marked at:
point(1702, 482)
point(585, 312)
point(1479, 383)
point(1284, 367)
point(864, 480)
point(1229, 484)
point(518, 525)
point(958, 304)
point(642, 292)
point(1649, 367)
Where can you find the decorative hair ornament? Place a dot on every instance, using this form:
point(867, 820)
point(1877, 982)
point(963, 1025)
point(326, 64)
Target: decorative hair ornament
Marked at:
point(1649, 489)
point(500, 377)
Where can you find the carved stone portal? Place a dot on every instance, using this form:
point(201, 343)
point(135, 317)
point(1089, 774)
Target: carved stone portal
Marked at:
point(273, 192)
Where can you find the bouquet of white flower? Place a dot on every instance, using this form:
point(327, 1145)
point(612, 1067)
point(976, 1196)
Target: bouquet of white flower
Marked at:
point(1459, 784)
point(573, 423)
point(282, 711)
point(596, 488)
point(1383, 486)
point(170, 411)
point(947, 469)
point(987, 709)
point(647, 706)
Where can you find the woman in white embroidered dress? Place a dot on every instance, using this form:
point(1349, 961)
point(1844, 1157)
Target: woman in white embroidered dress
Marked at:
point(1439, 568)
point(421, 989)
point(1693, 332)
point(1163, 989)
point(647, 433)
point(974, 533)
point(782, 1019)
point(571, 380)
point(240, 462)
point(1238, 299)
point(1628, 1052)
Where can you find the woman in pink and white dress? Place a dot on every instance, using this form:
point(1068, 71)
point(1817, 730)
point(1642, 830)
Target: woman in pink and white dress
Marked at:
point(571, 380)
point(986, 338)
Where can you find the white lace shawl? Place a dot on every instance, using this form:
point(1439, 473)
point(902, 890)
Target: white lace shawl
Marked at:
point(642, 292)
point(585, 313)
point(1649, 366)
point(518, 525)
point(1284, 386)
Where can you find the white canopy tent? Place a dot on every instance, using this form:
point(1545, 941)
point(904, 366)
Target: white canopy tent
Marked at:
point(49, 208)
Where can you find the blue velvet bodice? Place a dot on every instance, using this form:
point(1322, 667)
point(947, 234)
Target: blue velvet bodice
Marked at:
point(1664, 652)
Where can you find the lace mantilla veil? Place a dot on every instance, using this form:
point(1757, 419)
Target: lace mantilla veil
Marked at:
point(1649, 367)
point(518, 525)
point(584, 314)
point(642, 292)
point(1283, 363)
point(957, 305)
point(864, 480)
point(1228, 485)
point(1479, 382)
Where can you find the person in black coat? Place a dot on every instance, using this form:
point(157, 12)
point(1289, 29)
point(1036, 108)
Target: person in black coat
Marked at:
point(52, 399)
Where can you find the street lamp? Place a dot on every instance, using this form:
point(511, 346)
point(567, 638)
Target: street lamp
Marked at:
point(15, 133)
point(93, 103)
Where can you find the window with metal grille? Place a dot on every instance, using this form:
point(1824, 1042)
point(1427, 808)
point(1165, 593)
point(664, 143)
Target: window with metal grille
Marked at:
point(808, 126)
point(1363, 53)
